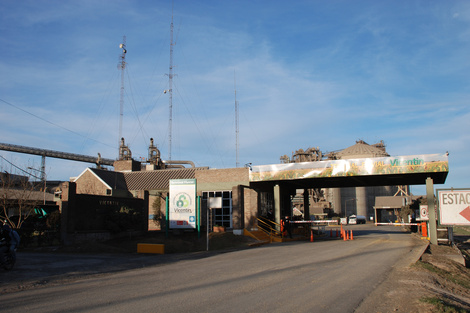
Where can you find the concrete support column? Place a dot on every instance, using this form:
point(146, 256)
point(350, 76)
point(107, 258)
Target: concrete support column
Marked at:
point(337, 200)
point(361, 203)
point(238, 210)
point(431, 211)
point(286, 203)
point(277, 204)
point(67, 212)
point(146, 209)
point(306, 205)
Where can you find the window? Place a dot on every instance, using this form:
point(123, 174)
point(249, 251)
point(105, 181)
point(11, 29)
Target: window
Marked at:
point(220, 216)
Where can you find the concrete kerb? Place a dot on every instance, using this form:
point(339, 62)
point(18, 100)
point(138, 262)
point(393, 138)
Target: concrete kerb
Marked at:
point(416, 252)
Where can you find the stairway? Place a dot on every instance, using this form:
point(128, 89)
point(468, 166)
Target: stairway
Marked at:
point(261, 237)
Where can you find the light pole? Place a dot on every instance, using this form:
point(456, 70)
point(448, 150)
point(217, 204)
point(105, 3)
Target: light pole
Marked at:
point(43, 176)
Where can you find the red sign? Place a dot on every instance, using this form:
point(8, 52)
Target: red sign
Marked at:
point(466, 213)
point(454, 207)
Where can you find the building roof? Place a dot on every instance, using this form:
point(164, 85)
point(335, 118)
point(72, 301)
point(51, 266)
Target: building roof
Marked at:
point(156, 180)
point(24, 194)
point(141, 180)
point(114, 180)
point(362, 150)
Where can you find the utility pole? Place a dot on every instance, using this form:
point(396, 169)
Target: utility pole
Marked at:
point(122, 66)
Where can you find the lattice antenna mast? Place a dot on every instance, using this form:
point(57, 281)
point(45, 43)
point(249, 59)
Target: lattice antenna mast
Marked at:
point(237, 163)
point(170, 90)
point(122, 66)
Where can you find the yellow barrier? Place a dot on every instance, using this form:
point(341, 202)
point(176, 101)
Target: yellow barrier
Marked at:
point(151, 248)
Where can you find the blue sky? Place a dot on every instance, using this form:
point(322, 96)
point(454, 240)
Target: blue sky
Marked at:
point(308, 74)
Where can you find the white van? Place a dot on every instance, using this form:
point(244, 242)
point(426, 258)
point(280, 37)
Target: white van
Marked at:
point(359, 219)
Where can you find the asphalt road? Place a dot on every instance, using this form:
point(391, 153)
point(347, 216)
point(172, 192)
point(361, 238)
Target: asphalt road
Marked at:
point(320, 276)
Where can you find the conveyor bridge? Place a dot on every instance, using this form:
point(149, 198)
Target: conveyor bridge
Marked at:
point(56, 154)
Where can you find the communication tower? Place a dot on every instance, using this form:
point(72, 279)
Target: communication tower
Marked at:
point(122, 66)
point(170, 89)
point(236, 121)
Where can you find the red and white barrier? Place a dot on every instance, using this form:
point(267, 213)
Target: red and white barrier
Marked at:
point(315, 222)
point(398, 224)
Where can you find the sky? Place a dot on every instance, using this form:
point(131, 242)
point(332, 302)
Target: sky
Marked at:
point(304, 73)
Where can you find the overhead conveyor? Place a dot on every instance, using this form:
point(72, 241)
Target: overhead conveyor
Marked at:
point(98, 160)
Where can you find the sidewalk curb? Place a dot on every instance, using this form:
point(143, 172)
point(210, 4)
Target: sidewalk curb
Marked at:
point(415, 254)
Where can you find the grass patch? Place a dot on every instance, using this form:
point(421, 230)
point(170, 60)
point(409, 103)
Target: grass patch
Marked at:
point(443, 306)
point(461, 231)
point(453, 277)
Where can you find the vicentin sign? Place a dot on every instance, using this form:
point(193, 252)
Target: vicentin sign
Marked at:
point(454, 206)
point(182, 203)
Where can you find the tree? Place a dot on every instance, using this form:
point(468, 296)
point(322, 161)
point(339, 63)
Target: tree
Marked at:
point(409, 210)
point(18, 198)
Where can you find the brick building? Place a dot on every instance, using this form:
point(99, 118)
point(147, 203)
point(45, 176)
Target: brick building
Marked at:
point(245, 194)
point(239, 203)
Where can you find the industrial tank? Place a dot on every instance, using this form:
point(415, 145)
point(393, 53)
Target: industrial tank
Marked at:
point(359, 200)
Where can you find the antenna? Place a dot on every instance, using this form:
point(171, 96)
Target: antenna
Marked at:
point(236, 120)
point(122, 66)
point(170, 88)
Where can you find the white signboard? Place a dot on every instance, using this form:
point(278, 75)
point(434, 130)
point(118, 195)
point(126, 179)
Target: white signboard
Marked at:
point(182, 206)
point(454, 206)
point(423, 212)
point(215, 203)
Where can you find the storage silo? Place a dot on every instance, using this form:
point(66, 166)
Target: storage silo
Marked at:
point(359, 200)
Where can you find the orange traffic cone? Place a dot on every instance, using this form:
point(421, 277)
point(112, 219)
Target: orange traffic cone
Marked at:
point(352, 235)
point(347, 235)
point(311, 235)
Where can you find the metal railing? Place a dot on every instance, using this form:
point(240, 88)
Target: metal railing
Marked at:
point(269, 227)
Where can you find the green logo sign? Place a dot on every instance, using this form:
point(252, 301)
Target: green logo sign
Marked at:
point(182, 201)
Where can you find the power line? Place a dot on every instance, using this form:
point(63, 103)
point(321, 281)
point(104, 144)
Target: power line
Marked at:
point(53, 124)
point(17, 167)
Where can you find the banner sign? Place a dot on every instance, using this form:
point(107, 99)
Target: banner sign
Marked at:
point(352, 167)
point(182, 203)
point(454, 206)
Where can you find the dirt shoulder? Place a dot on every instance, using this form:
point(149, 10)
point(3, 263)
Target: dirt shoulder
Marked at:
point(437, 282)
